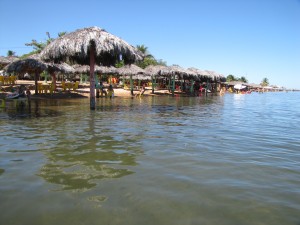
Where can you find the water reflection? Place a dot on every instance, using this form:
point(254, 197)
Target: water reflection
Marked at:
point(34, 109)
point(82, 147)
point(84, 153)
point(187, 155)
point(80, 168)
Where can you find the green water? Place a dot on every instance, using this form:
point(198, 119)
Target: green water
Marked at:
point(155, 160)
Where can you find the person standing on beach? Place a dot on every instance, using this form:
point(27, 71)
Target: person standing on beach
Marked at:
point(102, 91)
point(196, 88)
point(110, 91)
point(142, 91)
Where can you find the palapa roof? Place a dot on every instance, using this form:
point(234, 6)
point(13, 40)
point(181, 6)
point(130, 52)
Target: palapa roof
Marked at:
point(98, 69)
point(33, 64)
point(62, 67)
point(130, 70)
point(7, 60)
point(156, 70)
point(183, 73)
point(74, 47)
point(199, 72)
point(159, 70)
point(216, 76)
point(26, 66)
point(138, 77)
point(134, 71)
point(4, 61)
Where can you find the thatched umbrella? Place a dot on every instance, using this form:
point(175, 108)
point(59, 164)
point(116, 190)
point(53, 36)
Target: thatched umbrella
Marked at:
point(198, 72)
point(54, 68)
point(131, 70)
point(26, 66)
point(62, 67)
point(89, 46)
point(216, 76)
point(85, 69)
point(180, 72)
point(29, 65)
point(97, 69)
point(155, 71)
point(35, 66)
point(4, 61)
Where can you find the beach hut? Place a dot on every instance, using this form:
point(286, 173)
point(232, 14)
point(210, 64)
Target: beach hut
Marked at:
point(4, 61)
point(32, 66)
point(102, 70)
point(130, 70)
point(54, 68)
point(156, 71)
point(90, 46)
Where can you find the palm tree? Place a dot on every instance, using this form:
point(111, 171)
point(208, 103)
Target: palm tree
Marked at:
point(39, 46)
point(10, 53)
point(144, 50)
point(243, 79)
point(148, 58)
point(264, 82)
point(60, 34)
point(230, 78)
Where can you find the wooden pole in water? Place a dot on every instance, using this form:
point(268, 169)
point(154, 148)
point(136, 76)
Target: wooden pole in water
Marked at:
point(36, 83)
point(131, 85)
point(92, 77)
point(152, 84)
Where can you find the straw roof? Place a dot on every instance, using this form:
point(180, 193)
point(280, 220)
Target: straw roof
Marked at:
point(62, 67)
point(98, 69)
point(199, 72)
point(134, 71)
point(156, 70)
point(26, 66)
point(32, 64)
point(4, 61)
point(75, 47)
point(214, 75)
point(180, 72)
point(130, 70)
point(176, 70)
point(7, 60)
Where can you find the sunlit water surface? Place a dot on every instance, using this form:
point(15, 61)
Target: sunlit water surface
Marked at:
point(232, 159)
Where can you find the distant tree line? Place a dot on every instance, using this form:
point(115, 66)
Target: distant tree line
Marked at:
point(230, 78)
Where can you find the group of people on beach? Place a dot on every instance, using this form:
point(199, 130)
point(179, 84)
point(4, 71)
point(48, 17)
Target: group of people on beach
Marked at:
point(101, 90)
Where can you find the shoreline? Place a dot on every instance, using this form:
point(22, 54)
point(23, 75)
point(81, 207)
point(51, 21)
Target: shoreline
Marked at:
point(82, 92)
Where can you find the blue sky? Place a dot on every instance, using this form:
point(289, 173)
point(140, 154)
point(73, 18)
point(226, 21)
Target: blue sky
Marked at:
point(254, 38)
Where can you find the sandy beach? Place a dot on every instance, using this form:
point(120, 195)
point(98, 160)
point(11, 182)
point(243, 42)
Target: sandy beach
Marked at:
point(83, 91)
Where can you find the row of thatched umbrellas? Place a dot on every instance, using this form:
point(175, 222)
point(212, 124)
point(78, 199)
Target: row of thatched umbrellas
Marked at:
point(34, 64)
point(92, 47)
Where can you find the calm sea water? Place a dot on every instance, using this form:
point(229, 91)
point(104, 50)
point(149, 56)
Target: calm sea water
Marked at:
point(232, 159)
